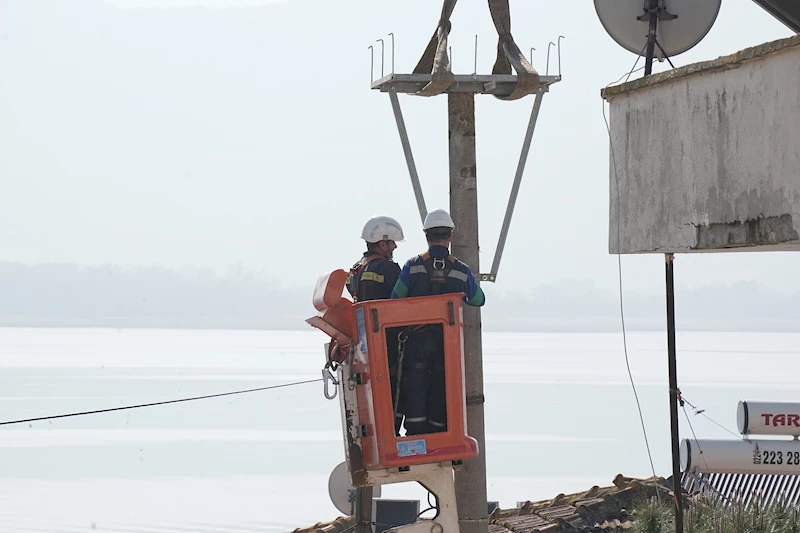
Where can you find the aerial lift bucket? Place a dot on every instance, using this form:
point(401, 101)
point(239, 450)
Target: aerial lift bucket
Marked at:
point(361, 334)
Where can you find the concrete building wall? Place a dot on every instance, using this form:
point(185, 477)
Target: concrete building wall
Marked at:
point(707, 156)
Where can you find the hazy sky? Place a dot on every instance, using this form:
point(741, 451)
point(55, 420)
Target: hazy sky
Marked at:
point(245, 132)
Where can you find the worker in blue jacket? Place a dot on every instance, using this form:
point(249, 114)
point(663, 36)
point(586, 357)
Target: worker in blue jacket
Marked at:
point(422, 382)
point(374, 276)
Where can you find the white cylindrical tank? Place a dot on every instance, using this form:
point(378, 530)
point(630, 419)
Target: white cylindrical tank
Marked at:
point(768, 418)
point(741, 456)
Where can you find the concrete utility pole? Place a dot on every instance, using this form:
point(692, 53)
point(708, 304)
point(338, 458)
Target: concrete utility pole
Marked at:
point(363, 510)
point(471, 478)
point(431, 77)
point(512, 78)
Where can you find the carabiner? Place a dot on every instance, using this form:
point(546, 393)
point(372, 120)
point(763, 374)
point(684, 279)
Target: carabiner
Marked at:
point(329, 378)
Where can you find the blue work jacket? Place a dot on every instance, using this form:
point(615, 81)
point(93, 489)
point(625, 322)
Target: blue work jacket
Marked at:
point(414, 279)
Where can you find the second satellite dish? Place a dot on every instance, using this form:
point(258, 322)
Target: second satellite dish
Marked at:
point(342, 493)
point(694, 19)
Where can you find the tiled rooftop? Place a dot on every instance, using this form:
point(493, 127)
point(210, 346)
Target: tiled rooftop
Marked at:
point(341, 524)
point(595, 510)
point(598, 509)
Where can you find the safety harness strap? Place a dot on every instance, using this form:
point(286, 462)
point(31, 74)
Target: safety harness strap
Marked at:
point(425, 256)
point(356, 275)
point(438, 270)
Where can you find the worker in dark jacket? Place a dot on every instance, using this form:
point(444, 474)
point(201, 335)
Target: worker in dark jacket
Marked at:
point(422, 380)
point(374, 276)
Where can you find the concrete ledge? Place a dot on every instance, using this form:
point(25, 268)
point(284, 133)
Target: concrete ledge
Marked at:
point(704, 67)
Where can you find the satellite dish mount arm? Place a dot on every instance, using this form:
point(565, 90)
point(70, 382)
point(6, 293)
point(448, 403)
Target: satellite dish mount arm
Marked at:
point(654, 10)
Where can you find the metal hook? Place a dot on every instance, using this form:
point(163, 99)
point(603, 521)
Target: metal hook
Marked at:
point(547, 69)
point(382, 46)
point(475, 71)
point(392, 36)
point(532, 49)
point(328, 379)
point(559, 55)
point(371, 63)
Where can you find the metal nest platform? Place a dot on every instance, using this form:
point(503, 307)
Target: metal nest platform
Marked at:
point(494, 84)
point(498, 85)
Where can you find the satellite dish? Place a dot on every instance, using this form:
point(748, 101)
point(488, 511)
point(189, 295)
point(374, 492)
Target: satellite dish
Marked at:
point(693, 19)
point(342, 493)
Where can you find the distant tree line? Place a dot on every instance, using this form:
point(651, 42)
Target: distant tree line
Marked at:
point(57, 294)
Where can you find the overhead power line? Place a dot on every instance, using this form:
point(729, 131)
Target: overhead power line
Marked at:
point(139, 406)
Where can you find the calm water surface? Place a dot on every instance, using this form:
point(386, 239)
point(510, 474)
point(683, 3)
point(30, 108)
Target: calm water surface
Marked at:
point(560, 415)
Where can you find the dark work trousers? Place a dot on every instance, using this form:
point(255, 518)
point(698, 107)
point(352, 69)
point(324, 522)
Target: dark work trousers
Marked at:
point(437, 406)
point(424, 351)
point(391, 351)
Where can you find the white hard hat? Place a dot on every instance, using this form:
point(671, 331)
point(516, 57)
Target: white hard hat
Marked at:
point(438, 219)
point(382, 228)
